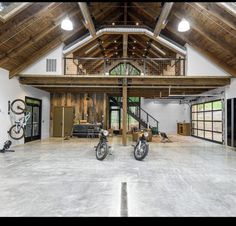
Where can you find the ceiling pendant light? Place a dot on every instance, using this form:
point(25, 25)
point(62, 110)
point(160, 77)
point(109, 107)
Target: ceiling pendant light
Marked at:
point(66, 24)
point(183, 25)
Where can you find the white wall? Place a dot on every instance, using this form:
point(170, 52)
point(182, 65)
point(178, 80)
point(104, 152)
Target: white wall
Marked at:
point(167, 112)
point(11, 90)
point(198, 65)
point(39, 67)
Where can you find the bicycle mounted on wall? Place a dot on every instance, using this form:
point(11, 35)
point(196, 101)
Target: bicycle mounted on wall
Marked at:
point(17, 131)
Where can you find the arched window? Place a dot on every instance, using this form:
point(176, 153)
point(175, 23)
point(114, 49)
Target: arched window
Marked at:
point(124, 69)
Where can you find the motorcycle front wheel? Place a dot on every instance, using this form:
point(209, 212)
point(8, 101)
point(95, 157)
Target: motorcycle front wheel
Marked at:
point(101, 151)
point(16, 135)
point(140, 154)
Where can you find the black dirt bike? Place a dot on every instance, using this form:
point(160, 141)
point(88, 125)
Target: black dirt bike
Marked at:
point(142, 147)
point(102, 149)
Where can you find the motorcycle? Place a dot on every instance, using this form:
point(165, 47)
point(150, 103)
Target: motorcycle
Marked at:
point(142, 147)
point(102, 149)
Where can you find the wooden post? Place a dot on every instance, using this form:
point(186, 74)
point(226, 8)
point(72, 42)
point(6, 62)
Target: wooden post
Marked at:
point(124, 123)
point(104, 111)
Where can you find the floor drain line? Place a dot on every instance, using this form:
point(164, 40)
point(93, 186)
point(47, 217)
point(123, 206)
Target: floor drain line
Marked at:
point(124, 204)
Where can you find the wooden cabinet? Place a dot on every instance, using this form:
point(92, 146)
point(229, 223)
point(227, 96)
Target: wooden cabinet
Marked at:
point(184, 129)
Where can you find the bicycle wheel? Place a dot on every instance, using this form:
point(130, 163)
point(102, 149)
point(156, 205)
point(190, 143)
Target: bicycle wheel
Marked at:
point(18, 106)
point(15, 134)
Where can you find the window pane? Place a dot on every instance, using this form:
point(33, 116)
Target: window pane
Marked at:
point(208, 116)
point(194, 108)
point(208, 106)
point(200, 125)
point(200, 107)
point(194, 132)
point(217, 105)
point(201, 133)
point(217, 137)
point(217, 115)
point(194, 116)
point(194, 124)
point(200, 116)
point(217, 126)
point(208, 135)
point(208, 125)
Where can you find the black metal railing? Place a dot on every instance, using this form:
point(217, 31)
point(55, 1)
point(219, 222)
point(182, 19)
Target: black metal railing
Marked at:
point(144, 118)
point(125, 66)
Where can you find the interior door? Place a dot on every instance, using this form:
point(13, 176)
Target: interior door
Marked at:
point(33, 125)
point(68, 120)
point(57, 121)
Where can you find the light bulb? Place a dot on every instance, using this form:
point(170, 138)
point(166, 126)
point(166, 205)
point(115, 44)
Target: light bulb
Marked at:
point(1, 7)
point(183, 25)
point(66, 24)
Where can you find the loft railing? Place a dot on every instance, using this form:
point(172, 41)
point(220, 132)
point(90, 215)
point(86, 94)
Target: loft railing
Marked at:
point(125, 66)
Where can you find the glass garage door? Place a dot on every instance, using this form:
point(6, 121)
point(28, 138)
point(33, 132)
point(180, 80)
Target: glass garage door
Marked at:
point(207, 121)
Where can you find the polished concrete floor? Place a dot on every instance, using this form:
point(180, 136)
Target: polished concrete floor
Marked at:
point(55, 177)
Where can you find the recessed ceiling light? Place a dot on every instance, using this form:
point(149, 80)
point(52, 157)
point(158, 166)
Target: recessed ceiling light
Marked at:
point(115, 41)
point(113, 23)
point(134, 47)
point(133, 53)
point(134, 41)
point(137, 23)
point(145, 49)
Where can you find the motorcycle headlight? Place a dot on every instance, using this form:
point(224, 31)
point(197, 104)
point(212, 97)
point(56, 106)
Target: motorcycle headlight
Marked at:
point(105, 132)
point(145, 134)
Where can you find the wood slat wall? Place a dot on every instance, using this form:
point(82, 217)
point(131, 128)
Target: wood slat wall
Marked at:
point(83, 108)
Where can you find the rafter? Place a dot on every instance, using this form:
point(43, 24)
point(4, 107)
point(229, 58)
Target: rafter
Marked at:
point(215, 13)
point(19, 23)
point(161, 23)
point(87, 18)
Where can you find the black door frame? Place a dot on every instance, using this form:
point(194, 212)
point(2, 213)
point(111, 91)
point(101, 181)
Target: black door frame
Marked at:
point(28, 139)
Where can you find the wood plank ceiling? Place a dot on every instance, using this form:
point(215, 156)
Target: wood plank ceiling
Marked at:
point(36, 30)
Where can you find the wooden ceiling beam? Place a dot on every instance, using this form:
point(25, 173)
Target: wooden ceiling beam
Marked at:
point(141, 81)
point(87, 18)
point(229, 7)
point(27, 17)
point(161, 23)
point(212, 11)
point(146, 12)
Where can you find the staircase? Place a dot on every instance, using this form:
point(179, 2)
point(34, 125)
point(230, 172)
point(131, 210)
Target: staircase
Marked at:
point(139, 114)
